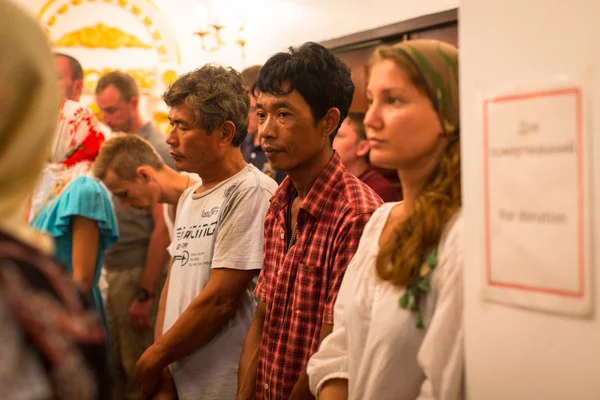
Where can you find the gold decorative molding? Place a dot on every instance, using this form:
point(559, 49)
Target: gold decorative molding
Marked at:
point(161, 120)
point(160, 117)
point(49, 20)
point(96, 110)
point(100, 36)
point(145, 78)
point(169, 76)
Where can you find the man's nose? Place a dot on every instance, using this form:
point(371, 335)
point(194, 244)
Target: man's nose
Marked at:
point(171, 137)
point(267, 128)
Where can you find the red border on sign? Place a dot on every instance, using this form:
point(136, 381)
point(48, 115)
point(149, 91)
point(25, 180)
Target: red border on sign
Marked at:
point(575, 91)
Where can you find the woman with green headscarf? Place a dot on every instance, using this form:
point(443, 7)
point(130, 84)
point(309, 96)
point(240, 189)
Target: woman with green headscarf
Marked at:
point(51, 345)
point(398, 318)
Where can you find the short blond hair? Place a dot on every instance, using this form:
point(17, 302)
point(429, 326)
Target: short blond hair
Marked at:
point(123, 154)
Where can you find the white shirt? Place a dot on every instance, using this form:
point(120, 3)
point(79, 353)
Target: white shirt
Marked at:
point(220, 228)
point(375, 344)
point(170, 210)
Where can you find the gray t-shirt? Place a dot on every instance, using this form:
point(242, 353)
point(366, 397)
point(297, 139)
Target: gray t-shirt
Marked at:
point(220, 228)
point(135, 226)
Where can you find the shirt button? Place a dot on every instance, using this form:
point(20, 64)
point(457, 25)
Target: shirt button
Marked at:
point(282, 236)
point(266, 386)
point(298, 312)
point(279, 271)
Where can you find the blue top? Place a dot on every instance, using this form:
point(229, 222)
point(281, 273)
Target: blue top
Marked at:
point(84, 197)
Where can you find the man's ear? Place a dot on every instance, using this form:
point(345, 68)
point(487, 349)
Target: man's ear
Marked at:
point(78, 86)
point(331, 120)
point(144, 173)
point(135, 101)
point(227, 132)
point(362, 148)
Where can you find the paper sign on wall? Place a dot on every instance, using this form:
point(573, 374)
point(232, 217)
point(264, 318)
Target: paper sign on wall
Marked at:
point(536, 202)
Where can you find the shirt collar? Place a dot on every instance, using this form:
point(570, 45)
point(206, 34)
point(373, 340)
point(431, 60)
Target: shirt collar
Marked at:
point(315, 200)
point(145, 130)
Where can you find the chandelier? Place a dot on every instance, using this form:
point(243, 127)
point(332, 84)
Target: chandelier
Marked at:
point(216, 32)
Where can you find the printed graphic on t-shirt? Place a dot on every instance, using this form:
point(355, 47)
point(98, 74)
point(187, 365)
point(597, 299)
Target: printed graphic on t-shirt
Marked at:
point(229, 190)
point(193, 240)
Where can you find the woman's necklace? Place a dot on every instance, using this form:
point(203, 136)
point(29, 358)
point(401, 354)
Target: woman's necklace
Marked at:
point(418, 287)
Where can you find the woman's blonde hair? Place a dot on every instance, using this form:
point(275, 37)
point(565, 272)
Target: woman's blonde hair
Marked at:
point(440, 198)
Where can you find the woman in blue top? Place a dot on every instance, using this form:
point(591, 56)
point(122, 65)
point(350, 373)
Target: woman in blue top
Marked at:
point(73, 207)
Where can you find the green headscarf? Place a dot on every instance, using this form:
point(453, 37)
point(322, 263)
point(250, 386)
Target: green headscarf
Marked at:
point(438, 63)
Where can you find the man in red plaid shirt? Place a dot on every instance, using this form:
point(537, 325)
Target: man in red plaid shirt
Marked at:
point(314, 223)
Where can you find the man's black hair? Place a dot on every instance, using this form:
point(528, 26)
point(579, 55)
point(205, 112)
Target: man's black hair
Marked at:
point(322, 79)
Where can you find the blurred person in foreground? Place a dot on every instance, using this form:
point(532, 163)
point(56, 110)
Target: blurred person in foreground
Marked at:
point(62, 355)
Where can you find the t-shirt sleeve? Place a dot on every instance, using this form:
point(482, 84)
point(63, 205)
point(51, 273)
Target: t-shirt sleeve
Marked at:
point(346, 245)
point(239, 242)
point(86, 197)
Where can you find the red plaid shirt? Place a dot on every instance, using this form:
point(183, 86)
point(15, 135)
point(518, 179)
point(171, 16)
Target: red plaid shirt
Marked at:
point(300, 287)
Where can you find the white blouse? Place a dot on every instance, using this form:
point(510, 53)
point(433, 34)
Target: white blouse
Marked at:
point(375, 344)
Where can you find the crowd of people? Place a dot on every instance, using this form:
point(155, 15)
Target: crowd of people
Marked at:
point(255, 252)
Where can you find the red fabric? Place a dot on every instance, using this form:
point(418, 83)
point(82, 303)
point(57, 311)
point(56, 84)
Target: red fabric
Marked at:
point(83, 121)
point(380, 185)
point(300, 287)
point(88, 149)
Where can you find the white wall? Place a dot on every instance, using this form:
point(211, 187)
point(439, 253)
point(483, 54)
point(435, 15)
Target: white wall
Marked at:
point(512, 353)
point(273, 25)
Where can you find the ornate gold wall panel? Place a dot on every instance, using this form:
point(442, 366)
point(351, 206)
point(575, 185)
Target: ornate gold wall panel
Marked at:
point(54, 10)
point(100, 36)
point(129, 35)
point(145, 78)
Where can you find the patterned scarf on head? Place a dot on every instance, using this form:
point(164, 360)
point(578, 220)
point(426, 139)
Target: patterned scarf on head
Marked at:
point(78, 139)
point(438, 63)
point(76, 146)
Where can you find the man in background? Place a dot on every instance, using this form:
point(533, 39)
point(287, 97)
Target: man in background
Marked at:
point(70, 75)
point(135, 174)
point(136, 263)
point(353, 147)
point(251, 149)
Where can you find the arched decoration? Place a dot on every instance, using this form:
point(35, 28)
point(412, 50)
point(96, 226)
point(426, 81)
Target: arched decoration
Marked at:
point(145, 11)
point(100, 35)
point(105, 35)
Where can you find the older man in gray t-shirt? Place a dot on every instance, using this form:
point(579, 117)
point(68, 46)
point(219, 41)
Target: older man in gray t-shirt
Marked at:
point(207, 234)
point(207, 306)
